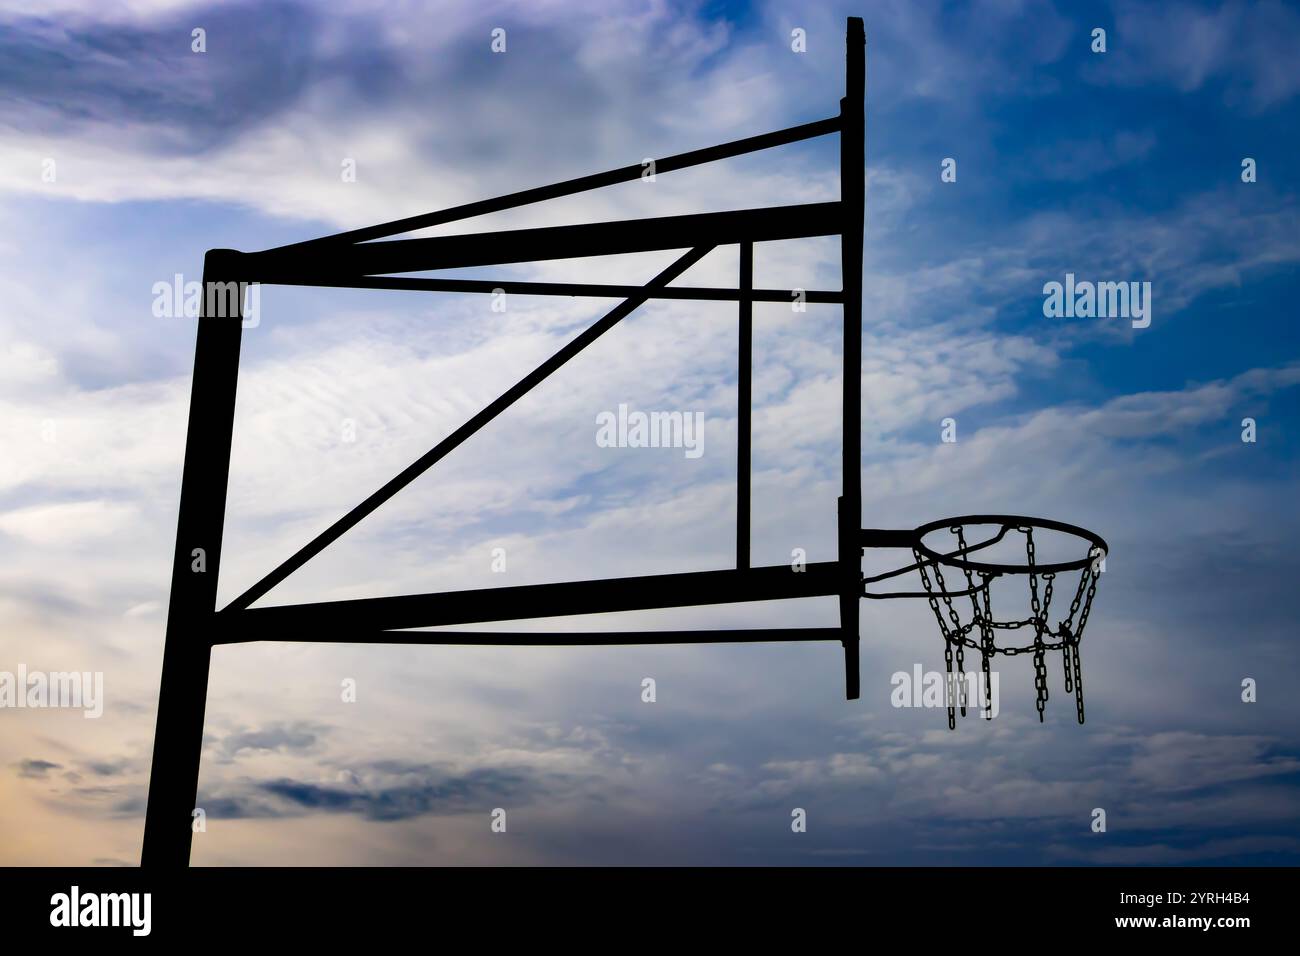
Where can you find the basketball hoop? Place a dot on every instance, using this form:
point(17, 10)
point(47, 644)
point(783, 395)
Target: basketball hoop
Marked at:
point(978, 628)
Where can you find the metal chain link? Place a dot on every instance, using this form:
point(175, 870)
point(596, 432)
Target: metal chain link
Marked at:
point(987, 650)
point(1040, 670)
point(943, 627)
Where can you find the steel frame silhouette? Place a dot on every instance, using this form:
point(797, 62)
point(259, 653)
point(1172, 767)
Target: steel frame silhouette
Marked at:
point(353, 260)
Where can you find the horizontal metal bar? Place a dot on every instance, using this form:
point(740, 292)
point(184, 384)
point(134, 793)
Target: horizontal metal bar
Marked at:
point(921, 594)
point(456, 438)
point(610, 177)
point(564, 638)
point(409, 284)
point(368, 615)
point(886, 538)
point(549, 242)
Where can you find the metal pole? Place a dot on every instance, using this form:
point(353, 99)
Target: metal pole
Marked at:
point(852, 199)
point(182, 695)
point(745, 398)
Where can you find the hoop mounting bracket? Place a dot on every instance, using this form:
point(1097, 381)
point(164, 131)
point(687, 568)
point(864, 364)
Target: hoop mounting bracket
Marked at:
point(887, 538)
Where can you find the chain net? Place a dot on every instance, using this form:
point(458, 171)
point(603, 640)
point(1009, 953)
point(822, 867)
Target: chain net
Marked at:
point(981, 632)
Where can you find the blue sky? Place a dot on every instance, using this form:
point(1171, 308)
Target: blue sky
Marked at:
point(1115, 166)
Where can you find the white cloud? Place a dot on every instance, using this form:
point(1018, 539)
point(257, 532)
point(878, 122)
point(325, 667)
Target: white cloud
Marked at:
point(69, 525)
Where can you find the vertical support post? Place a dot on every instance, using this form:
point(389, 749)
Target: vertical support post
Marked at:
point(745, 400)
point(852, 200)
point(182, 694)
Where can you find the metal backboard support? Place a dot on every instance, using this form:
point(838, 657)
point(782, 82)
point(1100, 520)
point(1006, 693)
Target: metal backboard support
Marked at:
point(353, 260)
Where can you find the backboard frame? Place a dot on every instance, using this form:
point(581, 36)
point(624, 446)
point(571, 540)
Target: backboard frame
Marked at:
point(354, 259)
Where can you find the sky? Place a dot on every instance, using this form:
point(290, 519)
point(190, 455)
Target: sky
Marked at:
point(125, 154)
